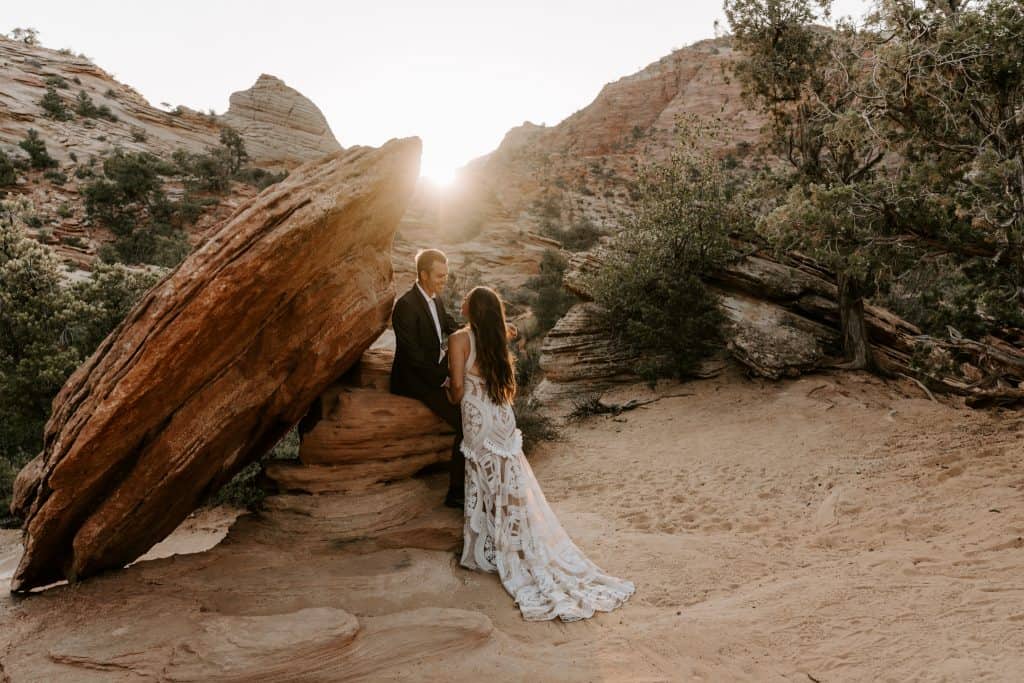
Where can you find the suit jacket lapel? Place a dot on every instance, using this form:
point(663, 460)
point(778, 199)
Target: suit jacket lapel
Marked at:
point(425, 308)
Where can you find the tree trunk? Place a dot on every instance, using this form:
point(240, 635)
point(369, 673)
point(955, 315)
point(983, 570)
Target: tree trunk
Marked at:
point(851, 320)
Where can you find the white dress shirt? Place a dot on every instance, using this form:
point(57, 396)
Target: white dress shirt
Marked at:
point(432, 305)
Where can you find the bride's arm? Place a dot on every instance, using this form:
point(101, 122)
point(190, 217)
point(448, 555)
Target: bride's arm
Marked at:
point(458, 352)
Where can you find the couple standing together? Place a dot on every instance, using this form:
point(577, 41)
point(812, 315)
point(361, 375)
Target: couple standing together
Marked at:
point(467, 377)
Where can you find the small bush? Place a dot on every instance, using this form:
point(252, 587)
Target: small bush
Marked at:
point(74, 241)
point(64, 210)
point(54, 106)
point(535, 426)
point(581, 235)
point(57, 82)
point(8, 171)
point(85, 107)
point(35, 147)
point(650, 284)
point(55, 177)
point(550, 301)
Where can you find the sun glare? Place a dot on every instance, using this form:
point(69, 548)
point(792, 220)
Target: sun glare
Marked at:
point(439, 171)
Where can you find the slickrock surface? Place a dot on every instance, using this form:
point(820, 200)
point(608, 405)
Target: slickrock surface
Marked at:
point(215, 363)
point(280, 125)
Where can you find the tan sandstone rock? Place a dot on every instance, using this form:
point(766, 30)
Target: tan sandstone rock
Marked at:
point(215, 363)
point(579, 357)
point(280, 125)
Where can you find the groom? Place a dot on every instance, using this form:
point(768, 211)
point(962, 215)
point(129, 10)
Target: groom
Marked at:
point(420, 370)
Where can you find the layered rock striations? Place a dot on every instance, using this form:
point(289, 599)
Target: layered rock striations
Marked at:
point(215, 364)
point(280, 125)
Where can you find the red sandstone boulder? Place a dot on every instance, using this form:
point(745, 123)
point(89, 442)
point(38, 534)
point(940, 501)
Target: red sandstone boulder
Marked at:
point(215, 363)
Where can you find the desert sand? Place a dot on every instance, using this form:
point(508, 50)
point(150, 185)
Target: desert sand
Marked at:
point(831, 528)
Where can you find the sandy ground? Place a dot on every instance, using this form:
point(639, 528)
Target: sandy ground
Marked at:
point(832, 528)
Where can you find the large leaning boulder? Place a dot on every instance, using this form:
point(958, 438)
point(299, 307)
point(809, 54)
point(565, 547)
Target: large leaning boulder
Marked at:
point(215, 363)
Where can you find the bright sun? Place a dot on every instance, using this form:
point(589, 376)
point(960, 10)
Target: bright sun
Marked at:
point(439, 169)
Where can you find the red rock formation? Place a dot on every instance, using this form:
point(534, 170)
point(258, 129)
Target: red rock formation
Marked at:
point(215, 364)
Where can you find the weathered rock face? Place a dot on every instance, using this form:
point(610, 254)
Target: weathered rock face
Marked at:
point(215, 363)
point(579, 357)
point(281, 127)
point(361, 446)
point(584, 161)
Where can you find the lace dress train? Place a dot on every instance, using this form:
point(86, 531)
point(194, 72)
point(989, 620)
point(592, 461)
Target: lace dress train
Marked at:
point(509, 527)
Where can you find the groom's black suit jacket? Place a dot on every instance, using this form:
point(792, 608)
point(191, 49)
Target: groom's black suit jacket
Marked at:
point(417, 371)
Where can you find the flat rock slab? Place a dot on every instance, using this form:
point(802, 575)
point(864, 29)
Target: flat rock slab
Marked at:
point(215, 363)
point(312, 644)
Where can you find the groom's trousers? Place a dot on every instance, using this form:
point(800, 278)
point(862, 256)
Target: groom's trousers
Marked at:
point(438, 402)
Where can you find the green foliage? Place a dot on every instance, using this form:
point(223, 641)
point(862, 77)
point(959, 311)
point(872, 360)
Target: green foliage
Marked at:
point(57, 82)
point(650, 281)
point(35, 147)
point(213, 170)
point(46, 330)
point(939, 86)
point(233, 147)
point(8, 171)
point(548, 298)
point(130, 201)
point(54, 106)
point(85, 107)
point(581, 234)
point(55, 176)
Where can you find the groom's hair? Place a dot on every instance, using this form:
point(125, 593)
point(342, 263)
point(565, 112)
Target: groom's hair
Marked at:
point(426, 258)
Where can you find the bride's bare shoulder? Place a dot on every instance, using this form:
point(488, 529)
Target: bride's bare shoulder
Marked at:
point(459, 336)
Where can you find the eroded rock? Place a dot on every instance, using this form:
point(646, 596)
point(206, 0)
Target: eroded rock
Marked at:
point(216, 363)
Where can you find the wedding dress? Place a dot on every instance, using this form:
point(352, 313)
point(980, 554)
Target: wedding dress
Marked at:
point(509, 526)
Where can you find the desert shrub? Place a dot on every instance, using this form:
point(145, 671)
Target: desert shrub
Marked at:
point(36, 149)
point(549, 300)
point(260, 178)
point(57, 82)
point(650, 284)
point(214, 169)
point(64, 210)
point(53, 104)
point(532, 422)
point(46, 330)
point(129, 200)
point(56, 177)
point(85, 107)
point(581, 234)
point(8, 171)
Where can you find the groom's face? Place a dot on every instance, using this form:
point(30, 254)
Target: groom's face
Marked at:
point(433, 280)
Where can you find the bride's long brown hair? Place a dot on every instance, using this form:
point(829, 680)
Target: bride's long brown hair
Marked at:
point(487, 320)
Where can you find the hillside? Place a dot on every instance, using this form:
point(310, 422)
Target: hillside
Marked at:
point(281, 129)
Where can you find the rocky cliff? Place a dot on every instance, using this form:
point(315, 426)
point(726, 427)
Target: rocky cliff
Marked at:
point(281, 129)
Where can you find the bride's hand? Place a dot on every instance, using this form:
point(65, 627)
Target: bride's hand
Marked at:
point(511, 330)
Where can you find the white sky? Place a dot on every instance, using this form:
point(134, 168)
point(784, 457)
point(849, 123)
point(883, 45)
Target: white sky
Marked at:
point(457, 73)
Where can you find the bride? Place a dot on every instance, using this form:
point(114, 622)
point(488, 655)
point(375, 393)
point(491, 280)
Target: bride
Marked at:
point(509, 527)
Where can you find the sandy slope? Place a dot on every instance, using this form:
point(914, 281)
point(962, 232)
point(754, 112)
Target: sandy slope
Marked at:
point(829, 528)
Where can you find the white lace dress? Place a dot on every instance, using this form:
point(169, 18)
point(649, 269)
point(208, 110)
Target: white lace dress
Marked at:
point(509, 526)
